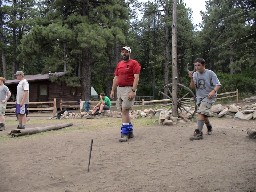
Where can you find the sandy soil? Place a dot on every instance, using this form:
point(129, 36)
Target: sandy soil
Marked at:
point(158, 159)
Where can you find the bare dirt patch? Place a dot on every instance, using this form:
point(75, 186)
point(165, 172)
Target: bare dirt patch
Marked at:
point(159, 158)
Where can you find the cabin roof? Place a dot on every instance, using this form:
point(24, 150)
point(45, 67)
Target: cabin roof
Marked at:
point(38, 77)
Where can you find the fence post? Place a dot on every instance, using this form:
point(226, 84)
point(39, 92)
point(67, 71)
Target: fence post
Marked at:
point(142, 103)
point(60, 104)
point(81, 105)
point(54, 107)
point(236, 95)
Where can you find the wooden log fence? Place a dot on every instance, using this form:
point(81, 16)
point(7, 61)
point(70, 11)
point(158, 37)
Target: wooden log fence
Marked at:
point(36, 106)
point(227, 95)
point(52, 105)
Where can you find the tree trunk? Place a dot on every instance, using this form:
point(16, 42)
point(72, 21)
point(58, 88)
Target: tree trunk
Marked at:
point(14, 38)
point(86, 74)
point(167, 48)
point(4, 64)
point(167, 58)
point(29, 131)
point(174, 62)
point(113, 60)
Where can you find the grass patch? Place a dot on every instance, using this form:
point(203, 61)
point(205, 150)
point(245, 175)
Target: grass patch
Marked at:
point(78, 125)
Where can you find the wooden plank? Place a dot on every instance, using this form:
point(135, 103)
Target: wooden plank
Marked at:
point(227, 97)
point(227, 93)
point(41, 109)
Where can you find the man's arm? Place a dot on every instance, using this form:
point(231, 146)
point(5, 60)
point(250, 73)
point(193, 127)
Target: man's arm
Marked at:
point(25, 96)
point(192, 83)
point(7, 97)
point(135, 82)
point(114, 85)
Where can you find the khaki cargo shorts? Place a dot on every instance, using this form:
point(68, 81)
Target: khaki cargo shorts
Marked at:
point(122, 98)
point(2, 108)
point(204, 105)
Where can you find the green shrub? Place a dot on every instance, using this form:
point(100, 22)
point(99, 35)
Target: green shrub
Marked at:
point(245, 83)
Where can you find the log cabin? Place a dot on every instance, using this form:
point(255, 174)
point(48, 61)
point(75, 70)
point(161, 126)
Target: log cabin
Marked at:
point(46, 87)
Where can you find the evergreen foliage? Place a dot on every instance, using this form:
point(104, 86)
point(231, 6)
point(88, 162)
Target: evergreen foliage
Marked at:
point(84, 39)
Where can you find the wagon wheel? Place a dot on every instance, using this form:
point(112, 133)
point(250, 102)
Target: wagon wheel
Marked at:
point(186, 101)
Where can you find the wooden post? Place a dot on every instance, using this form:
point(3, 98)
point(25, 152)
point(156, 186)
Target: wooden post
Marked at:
point(60, 104)
point(174, 61)
point(142, 103)
point(54, 107)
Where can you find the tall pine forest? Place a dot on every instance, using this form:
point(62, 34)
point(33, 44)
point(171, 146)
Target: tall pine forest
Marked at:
point(83, 38)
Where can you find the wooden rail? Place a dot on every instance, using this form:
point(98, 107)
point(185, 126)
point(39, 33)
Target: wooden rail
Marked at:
point(39, 106)
point(228, 95)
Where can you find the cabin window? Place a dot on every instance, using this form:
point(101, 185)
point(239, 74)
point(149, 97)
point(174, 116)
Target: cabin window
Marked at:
point(43, 90)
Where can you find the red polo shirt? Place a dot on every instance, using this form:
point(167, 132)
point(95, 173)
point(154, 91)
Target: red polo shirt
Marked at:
point(125, 71)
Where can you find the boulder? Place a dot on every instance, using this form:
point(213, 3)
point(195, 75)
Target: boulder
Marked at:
point(251, 133)
point(242, 116)
point(248, 111)
point(167, 122)
point(254, 115)
point(223, 112)
point(217, 108)
point(164, 114)
point(233, 108)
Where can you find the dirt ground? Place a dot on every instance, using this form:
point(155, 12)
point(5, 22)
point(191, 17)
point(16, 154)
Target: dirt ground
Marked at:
point(158, 159)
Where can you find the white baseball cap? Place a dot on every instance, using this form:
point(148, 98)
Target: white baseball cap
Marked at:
point(127, 49)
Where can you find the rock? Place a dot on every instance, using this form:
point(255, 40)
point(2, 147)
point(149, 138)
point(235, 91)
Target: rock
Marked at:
point(174, 119)
point(157, 114)
point(151, 111)
point(164, 114)
point(167, 122)
point(254, 115)
point(143, 114)
point(183, 121)
point(242, 116)
point(232, 108)
point(247, 107)
point(161, 121)
point(251, 133)
point(223, 112)
point(248, 111)
point(217, 108)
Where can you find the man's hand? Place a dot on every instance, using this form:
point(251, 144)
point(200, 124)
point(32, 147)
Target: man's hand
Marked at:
point(131, 95)
point(211, 94)
point(112, 94)
point(190, 74)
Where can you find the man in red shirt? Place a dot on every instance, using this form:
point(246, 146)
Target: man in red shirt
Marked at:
point(126, 78)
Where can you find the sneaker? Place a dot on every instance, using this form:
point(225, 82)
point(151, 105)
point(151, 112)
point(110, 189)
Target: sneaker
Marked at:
point(21, 127)
point(130, 135)
point(209, 129)
point(198, 135)
point(2, 126)
point(124, 138)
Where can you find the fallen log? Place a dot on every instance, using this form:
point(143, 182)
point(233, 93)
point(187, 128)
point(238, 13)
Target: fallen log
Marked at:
point(251, 133)
point(29, 131)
